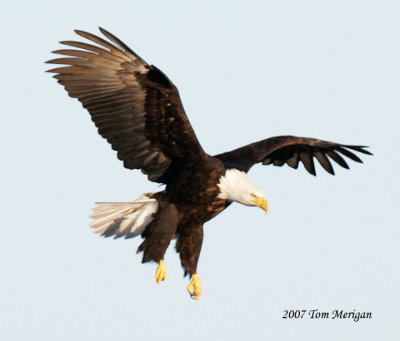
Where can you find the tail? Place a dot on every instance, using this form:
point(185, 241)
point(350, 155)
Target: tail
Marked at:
point(127, 219)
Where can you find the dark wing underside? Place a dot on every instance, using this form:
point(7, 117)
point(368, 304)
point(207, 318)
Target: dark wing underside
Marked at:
point(291, 150)
point(133, 104)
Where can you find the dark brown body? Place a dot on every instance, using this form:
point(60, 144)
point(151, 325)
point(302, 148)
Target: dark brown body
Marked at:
point(186, 204)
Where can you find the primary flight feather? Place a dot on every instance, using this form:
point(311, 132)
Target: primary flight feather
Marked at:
point(138, 110)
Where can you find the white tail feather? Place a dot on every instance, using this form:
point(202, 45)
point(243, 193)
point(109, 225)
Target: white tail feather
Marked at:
point(127, 219)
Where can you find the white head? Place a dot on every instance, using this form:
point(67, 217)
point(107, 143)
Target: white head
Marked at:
point(236, 185)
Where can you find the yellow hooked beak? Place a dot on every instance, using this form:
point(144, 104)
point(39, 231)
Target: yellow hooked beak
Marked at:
point(260, 202)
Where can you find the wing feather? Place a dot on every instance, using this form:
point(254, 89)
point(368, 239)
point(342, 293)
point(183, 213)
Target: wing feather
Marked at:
point(291, 150)
point(307, 161)
point(337, 158)
point(135, 107)
point(293, 161)
point(324, 162)
point(349, 154)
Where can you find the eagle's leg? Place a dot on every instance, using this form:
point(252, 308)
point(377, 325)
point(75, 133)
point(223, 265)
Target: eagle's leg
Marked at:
point(157, 237)
point(161, 272)
point(188, 245)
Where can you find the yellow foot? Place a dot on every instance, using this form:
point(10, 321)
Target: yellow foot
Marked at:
point(194, 287)
point(161, 272)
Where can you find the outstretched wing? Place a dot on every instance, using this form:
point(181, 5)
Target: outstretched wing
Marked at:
point(291, 150)
point(133, 104)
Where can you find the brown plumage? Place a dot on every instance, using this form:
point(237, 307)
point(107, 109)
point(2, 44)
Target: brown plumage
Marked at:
point(134, 105)
point(137, 109)
point(291, 150)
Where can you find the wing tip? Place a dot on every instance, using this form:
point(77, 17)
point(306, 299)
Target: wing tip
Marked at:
point(80, 32)
point(103, 30)
point(360, 149)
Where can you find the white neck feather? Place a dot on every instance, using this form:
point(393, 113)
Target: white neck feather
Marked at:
point(236, 185)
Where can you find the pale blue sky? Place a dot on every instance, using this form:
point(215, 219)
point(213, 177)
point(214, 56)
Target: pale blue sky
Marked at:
point(246, 70)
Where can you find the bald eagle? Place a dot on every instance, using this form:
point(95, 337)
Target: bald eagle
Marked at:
point(137, 109)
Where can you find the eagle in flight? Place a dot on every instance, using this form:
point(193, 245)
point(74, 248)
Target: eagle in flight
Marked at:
point(137, 109)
